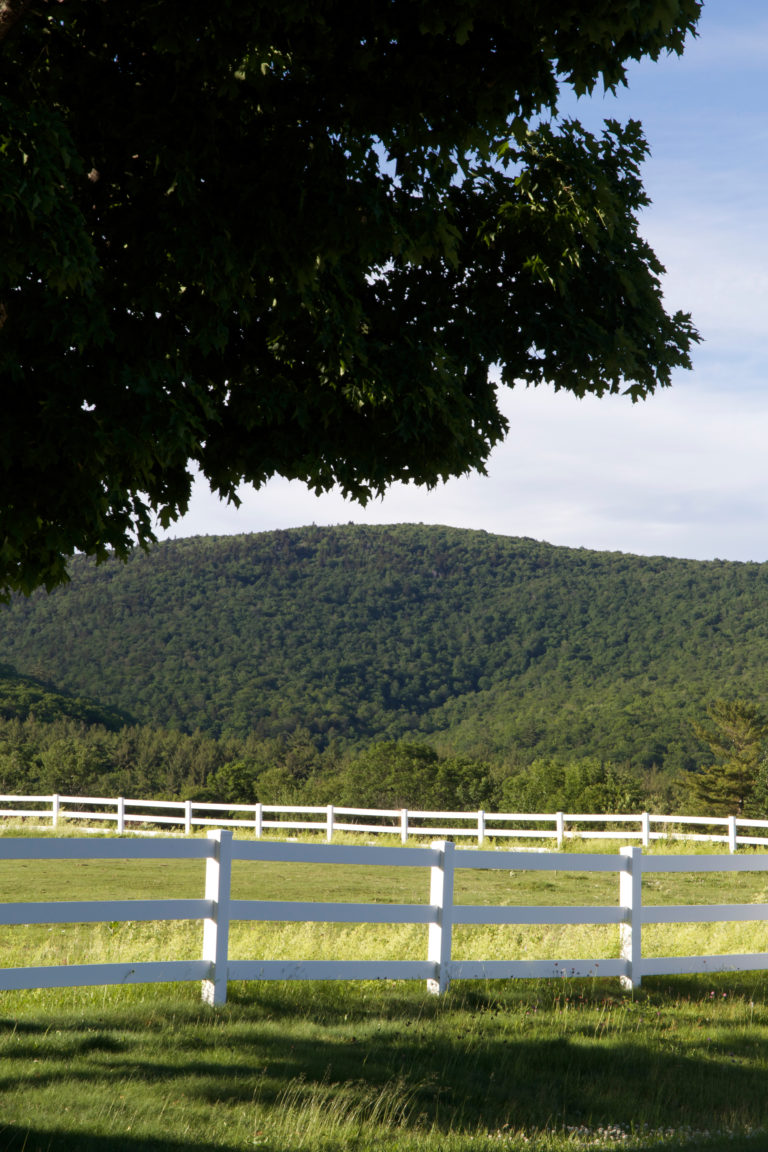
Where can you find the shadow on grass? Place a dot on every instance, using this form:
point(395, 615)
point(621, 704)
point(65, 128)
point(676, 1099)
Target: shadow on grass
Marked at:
point(682, 1055)
point(19, 1139)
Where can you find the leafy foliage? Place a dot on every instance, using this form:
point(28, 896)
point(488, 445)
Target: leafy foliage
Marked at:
point(586, 785)
point(294, 239)
point(404, 775)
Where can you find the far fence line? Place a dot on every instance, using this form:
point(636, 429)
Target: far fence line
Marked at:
point(218, 910)
point(144, 816)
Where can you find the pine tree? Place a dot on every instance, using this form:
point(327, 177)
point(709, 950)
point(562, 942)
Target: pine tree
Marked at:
point(735, 734)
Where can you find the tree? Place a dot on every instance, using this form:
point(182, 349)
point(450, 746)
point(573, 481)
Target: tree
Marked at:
point(260, 239)
point(735, 733)
point(584, 785)
point(398, 774)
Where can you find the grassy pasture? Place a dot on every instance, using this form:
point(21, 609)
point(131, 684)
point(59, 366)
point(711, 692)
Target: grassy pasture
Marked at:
point(555, 1065)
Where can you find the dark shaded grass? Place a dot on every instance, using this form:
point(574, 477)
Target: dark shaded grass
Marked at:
point(488, 1062)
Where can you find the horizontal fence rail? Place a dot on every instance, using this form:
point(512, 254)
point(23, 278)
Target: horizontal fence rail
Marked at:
point(217, 910)
point(147, 816)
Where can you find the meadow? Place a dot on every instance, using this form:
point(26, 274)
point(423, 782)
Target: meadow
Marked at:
point(537, 1065)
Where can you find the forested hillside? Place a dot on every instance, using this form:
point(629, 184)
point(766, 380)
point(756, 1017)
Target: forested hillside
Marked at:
point(332, 638)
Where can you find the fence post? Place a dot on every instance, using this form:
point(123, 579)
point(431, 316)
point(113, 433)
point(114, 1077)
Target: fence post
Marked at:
point(560, 825)
point(54, 811)
point(218, 876)
point(404, 825)
point(120, 815)
point(480, 827)
point(441, 899)
point(329, 823)
point(731, 834)
point(188, 817)
point(630, 898)
point(646, 829)
point(259, 821)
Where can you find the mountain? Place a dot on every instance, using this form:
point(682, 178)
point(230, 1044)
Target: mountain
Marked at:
point(479, 644)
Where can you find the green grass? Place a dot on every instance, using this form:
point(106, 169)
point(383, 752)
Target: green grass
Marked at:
point(538, 1065)
point(331, 1067)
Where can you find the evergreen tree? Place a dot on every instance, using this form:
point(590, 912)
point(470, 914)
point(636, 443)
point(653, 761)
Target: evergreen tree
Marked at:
point(735, 734)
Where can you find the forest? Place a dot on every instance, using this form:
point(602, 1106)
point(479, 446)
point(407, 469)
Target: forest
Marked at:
point(386, 665)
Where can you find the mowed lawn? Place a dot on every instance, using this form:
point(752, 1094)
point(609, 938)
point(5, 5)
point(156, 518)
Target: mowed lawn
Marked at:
point(380, 1065)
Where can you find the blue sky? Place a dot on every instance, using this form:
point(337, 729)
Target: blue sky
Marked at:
point(686, 472)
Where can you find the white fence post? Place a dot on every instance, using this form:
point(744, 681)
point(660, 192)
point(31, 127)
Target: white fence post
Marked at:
point(404, 825)
point(646, 829)
point(630, 897)
point(480, 827)
point(259, 821)
point(188, 817)
point(732, 834)
point(120, 815)
point(329, 823)
point(54, 811)
point(218, 877)
point(441, 898)
point(560, 825)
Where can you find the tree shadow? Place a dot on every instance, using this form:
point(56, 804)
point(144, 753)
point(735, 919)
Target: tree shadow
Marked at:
point(15, 1138)
point(500, 1058)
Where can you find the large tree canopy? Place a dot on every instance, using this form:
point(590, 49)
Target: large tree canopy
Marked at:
point(293, 238)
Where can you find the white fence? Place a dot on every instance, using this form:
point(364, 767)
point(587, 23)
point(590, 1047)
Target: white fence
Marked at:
point(217, 910)
point(186, 815)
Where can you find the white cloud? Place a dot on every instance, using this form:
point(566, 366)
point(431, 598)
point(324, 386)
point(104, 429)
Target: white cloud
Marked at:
point(717, 269)
point(682, 474)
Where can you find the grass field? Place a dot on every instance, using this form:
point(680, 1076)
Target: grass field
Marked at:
point(531, 1065)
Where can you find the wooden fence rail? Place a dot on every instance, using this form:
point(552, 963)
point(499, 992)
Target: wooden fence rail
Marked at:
point(217, 910)
point(186, 815)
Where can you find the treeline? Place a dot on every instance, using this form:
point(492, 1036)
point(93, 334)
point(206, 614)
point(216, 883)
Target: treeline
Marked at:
point(50, 742)
point(403, 775)
point(73, 758)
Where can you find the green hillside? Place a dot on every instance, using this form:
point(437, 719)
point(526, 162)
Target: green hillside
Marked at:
point(482, 645)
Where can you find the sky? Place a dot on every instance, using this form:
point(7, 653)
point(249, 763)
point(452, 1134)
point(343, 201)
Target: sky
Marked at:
point(684, 473)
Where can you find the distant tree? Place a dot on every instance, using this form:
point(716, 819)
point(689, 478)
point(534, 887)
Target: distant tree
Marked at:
point(537, 788)
point(735, 733)
point(256, 239)
point(584, 785)
point(71, 765)
point(279, 784)
point(235, 781)
point(464, 782)
point(393, 774)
